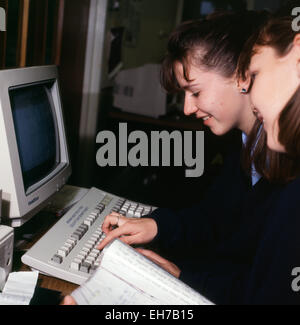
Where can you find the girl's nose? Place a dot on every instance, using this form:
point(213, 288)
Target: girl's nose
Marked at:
point(189, 105)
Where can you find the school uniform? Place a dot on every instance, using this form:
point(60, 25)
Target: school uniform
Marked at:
point(241, 243)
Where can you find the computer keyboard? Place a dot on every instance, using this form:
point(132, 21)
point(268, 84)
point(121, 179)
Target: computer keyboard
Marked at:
point(68, 250)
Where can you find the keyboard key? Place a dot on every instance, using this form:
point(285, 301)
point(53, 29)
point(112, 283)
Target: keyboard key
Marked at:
point(80, 257)
point(95, 251)
point(75, 265)
point(90, 260)
point(68, 246)
point(85, 267)
point(89, 246)
point(72, 242)
point(83, 228)
point(76, 235)
point(88, 221)
point(63, 251)
point(57, 259)
point(85, 249)
point(94, 267)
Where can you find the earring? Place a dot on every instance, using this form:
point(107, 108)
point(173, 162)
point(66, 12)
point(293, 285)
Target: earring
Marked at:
point(244, 90)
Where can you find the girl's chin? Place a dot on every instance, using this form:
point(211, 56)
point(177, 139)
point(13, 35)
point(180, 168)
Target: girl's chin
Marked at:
point(275, 145)
point(217, 131)
point(215, 127)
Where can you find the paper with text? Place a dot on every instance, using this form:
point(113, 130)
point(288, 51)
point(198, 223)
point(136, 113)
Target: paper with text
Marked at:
point(19, 288)
point(127, 277)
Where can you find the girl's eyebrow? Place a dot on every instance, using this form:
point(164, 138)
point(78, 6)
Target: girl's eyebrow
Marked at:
point(189, 87)
point(252, 68)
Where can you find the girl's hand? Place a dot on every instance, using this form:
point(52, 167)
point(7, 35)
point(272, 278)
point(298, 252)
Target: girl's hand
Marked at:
point(129, 230)
point(162, 262)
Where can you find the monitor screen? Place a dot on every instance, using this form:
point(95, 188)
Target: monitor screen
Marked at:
point(34, 155)
point(36, 130)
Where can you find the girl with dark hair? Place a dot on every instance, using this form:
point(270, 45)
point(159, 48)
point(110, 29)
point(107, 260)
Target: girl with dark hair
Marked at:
point(271, 63)
point(276, 52)
point(201, 61)
point(278, 35)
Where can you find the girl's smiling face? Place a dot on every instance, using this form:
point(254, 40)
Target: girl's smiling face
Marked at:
point(215, 99)
point(275, 80)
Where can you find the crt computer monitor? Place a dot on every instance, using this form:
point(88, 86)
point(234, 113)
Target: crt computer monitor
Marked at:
point(34, 157)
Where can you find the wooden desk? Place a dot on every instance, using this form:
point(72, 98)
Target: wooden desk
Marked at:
point(49, 282)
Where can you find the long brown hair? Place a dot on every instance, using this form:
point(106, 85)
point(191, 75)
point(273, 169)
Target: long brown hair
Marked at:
point(274, 166)
point(277, 167)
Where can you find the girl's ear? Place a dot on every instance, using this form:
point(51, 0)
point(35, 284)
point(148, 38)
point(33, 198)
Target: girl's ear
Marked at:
point(244, 84)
